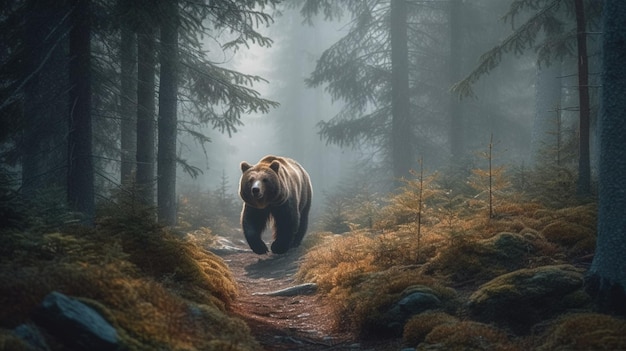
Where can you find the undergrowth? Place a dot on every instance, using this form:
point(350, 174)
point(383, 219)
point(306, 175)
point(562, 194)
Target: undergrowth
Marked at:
point(159, 290)
point(448, 241)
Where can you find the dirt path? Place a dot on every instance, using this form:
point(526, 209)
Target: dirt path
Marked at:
point(300, 322)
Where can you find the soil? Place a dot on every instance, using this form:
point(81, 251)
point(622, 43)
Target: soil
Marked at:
point(301, 322)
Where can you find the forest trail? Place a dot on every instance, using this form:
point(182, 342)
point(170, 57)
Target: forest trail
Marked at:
point(300, 322)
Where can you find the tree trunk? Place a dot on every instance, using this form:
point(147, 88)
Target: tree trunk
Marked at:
point(145, 114)
point(457, 144)
point(168, 89)
point(128, 95)
point(584, 163)
point(607, 275)
point(401, 139)
point(547, 103)
point(44, 143)
point(80, 182)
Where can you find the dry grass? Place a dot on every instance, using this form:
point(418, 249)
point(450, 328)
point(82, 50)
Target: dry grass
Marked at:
point(362, 273)
point(586, 331)
point(468, 335)
point(419, 326)
point(158, 290)
point(10, 342)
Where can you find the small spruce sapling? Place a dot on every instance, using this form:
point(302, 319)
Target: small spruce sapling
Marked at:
point(411, 203)
point(490, 181)
point(554, 175)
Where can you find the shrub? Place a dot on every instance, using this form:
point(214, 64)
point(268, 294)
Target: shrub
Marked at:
point(158, 290)
point(416, 329)
point(586, 331)
point(468, 335)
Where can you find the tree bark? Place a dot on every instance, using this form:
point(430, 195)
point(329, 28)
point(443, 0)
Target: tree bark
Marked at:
point(145, 113)
point(168, 89)
point(44, 140)
point(547, 103)
point(607, 275)
point(457, 144)
point(128, 106)
point(584, 162)
point(80, 176)
point(401, 139)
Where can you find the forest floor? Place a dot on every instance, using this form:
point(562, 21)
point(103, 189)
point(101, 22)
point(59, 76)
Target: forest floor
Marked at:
point(300, 322)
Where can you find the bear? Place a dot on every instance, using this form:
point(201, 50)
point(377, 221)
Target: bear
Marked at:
point(278, 188)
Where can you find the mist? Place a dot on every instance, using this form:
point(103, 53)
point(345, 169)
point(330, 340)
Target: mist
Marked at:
point(361, 94)
point(289, 130)
point(503, 107)
point(464, 174)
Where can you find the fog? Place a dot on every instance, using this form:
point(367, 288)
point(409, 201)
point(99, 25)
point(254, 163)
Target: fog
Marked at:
point(289, 130)
point(360, 93)
point(503, 104)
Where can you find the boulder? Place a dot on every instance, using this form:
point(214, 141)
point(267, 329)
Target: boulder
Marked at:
point(525, 297)
point(482, 260)
point(224, 246)
point(31, 335)
point(301, 289)
point(75, 324)
point(414, 300)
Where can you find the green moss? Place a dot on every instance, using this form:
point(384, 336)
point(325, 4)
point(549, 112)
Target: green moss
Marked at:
point(481, 260)
point(525, 297)
point(566, 233)
point(467, 335)
point(416, 328)
point(586, 331)
point(157, 290)
point(10, 342)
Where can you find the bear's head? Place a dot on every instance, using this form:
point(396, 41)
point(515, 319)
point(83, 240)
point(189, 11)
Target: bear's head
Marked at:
point(260, 186)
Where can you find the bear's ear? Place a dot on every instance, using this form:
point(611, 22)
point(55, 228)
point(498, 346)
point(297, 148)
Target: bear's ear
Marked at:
point(245, 166)
point(275, 166)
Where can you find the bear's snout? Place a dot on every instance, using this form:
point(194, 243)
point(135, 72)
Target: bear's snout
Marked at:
point(256, 189)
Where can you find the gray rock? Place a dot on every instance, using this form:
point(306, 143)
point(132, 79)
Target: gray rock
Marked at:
point(525, 297)
point(224, 246)
point(302, 289)
point(32, 336)
point(414, 303)
point(75, 324)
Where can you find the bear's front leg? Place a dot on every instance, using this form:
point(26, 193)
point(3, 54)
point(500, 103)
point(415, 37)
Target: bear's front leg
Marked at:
point(285, 226)
point(253, 222)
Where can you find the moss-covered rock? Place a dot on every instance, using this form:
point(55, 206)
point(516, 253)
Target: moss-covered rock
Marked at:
point(576, 238)
point(10, 341)
point(481, 260)
point(586, 331)
point(420, 325)
point(414, 300)
point(156, 290)
point(524, 297)
point(467, 335)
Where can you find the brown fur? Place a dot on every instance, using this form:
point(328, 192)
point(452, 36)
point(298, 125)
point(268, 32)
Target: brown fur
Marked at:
point(278, 188)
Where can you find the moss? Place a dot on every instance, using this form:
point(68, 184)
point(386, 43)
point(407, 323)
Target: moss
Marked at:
point(150, 296)
point(464, 260)
point(355, 271)
point(525, 297)
point(363, 305)
point(467, 335)
point(587, 331)
point(10, 342)
point(481, 260)
point(566, 233)
point(416, 328)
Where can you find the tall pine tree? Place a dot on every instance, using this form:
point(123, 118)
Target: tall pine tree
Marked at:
point(607, 276)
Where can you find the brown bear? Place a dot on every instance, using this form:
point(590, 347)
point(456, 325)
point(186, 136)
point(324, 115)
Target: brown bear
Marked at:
point(276, 187)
